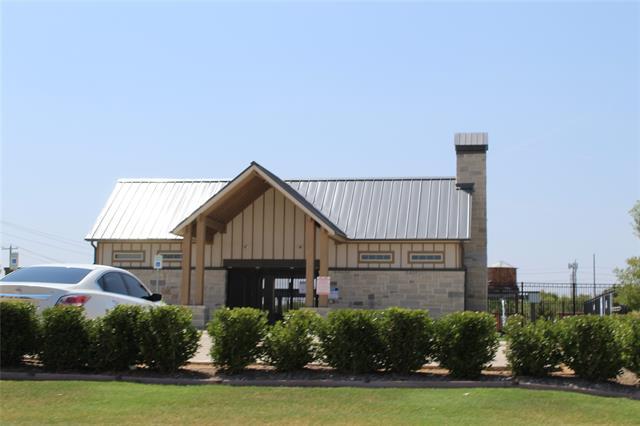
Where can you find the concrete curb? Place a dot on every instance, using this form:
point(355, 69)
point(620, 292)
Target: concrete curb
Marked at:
point(576, 389)
point(376, 384)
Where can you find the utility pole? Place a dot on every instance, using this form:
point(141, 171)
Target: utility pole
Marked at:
point(574, 279)
point(11, 248)
point(594, 275)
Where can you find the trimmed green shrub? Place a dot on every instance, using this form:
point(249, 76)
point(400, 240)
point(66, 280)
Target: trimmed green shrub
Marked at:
point(629, 338)
point(533, 349)
point(466, 342)
point(351, 340)
point(116, 339)
point(235, 337)
point(167, 338)
point(66, 338)
point(18, 331)
point(408, 337)
point(589, 346)
point(290, 344)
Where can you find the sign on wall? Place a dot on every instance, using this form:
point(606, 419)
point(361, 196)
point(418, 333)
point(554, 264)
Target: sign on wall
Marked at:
point(323, 286)
point(157, 262)
point(335, 293)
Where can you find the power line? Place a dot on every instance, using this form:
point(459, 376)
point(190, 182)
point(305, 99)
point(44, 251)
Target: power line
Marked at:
point(42, 243)
point(41, 256)
point(48, 235)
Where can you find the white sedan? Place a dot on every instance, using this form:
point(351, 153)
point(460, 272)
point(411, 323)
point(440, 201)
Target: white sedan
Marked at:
point(97, 288)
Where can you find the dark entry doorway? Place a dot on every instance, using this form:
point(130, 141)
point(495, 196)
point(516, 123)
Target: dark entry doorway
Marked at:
point(275, 290)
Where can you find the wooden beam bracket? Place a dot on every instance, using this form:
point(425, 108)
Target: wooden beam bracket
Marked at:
point(216, 225)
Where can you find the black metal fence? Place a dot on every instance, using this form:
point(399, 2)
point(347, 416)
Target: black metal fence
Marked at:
point(602, 304)
point(544, 300)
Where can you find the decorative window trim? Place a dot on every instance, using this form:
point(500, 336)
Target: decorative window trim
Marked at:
point(175, 256)
point(389, 257)
point(134, 256)
point(432, 257)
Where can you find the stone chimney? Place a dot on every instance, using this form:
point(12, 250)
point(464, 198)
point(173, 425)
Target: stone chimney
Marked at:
point(471, 175)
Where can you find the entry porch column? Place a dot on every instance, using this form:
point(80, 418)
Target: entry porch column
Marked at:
point(323, 299)
point(310, 257)
point(201, 232)
point(185, 282)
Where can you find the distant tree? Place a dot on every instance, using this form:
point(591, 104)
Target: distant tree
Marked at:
point(628, 288)
point(635, 216)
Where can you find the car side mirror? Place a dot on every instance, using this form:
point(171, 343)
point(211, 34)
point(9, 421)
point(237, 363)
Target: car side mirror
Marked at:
point(155, 297)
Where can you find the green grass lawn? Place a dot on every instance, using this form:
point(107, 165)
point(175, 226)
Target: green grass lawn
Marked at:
point(111, 402)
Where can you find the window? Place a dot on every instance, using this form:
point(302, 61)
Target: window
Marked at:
point(48, 274)
point(134, 287)
point(128, 256)
point(171, 256)
point(112, 282)
point(375, 257)
point(426, 257)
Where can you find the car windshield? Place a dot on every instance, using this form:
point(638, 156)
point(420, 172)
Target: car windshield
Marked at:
point(47, 274)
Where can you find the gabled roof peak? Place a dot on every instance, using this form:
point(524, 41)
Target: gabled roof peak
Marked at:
point(248, 185)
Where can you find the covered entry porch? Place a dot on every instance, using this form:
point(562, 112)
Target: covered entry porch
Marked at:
point(274, 287)
point(199, 232)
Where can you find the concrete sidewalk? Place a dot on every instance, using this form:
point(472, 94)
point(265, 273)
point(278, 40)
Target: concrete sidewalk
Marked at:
point(202, 356)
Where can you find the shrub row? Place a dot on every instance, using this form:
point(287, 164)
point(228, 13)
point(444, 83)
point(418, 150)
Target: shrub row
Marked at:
point(354, 341)
point(594, 347)
point(163, 338)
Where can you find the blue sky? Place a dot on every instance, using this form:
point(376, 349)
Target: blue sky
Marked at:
point(92, 92)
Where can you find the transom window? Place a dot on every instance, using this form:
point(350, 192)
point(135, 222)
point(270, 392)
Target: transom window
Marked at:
point(426, 257)
point(375, 257)
point(128, 256)
point(171, 256)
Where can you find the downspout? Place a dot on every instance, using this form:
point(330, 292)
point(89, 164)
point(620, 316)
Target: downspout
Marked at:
point(95, 253)
point(464, 267)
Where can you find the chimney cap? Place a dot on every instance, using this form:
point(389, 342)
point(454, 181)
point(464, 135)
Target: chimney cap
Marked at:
point(471, 142)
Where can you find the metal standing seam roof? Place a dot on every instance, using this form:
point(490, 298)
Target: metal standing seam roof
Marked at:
point(363, 209)
point(471, 139)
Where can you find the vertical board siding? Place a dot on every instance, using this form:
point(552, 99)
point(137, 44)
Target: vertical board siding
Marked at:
point(236, 241)
point(226, 241)
point(450, 256)
point(217, 250)
point(386, 247)
point(269, 209)
point(341, 255)
point(298, 232)
point(278, 227)
point(289, 230)
point(333, 254)
point(247, 232)
point(258, 229)
point(100, 257)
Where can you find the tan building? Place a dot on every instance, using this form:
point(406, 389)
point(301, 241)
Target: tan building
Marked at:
point(257, 240)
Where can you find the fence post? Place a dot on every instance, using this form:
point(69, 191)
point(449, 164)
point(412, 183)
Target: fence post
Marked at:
point(522, 300)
